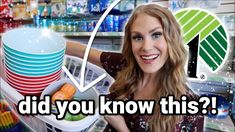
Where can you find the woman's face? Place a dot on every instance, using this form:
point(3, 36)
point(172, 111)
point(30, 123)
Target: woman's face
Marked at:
point(148, 43)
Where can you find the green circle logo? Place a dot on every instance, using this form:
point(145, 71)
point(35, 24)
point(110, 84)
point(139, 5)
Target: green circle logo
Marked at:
point(205, 36)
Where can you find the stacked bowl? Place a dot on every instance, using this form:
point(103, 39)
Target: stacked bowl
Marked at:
point(33, 59)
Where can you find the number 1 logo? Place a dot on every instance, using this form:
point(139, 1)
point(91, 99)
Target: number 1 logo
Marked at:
point(205, 36)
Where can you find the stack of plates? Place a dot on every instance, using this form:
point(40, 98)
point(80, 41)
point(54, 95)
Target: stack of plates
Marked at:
point(33, 59)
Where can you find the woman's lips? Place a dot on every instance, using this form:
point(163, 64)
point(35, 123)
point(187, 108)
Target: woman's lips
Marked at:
point(149, 58)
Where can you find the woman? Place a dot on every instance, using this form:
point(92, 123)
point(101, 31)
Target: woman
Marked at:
point(152, 67)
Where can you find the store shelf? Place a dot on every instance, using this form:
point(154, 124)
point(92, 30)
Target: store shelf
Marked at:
point(9, 23)
point(222, 125)
point(228, 77)
point(87, 34)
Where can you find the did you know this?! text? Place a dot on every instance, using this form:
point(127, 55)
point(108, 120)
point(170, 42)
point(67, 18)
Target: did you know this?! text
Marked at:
point(168, 106)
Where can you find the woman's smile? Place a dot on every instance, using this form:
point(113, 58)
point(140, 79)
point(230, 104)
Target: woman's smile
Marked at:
point(148, 59)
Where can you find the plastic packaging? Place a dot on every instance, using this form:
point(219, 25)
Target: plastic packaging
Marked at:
point(116, 23)
point(93, 6)
point(108, 24)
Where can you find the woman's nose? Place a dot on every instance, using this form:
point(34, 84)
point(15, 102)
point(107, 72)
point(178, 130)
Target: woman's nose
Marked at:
point(147, 44)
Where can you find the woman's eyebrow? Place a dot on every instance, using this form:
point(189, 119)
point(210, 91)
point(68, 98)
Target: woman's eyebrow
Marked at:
point(154, 29)
point(135, 32)
point(151, 31)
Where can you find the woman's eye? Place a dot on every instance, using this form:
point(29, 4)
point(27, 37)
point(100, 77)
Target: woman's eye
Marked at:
point(157, 35)
point(137, 38)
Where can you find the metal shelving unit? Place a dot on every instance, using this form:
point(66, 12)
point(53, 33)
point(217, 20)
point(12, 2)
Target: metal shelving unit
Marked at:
point(88, 34)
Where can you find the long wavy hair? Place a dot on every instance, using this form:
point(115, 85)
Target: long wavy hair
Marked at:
point(171, 77)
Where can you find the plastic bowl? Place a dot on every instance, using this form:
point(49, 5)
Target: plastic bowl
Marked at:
point(28, 87)
point(90, 94)
point(31, 73)
point(32, 69)
point(24, 57)
point(32, 83)
point(33, 41)
point(25, 91)
point(33, 62)
point(31, 78)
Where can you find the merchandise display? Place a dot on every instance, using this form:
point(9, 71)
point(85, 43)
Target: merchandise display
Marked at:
point(34, 64)
point(94, 6)
point(112, 23)
point(58, 9)
point(20, 12)
point(8, 120)
point(25, 61)
point(53, 15)
point(44, 10)
point(75, 7)
point(73, 64)
point(5, 9)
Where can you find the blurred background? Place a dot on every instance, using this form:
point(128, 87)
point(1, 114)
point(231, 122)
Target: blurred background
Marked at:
point(76, 19)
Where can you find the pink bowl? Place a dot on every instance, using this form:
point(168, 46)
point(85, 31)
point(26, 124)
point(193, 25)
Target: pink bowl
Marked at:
point(25, 92)
point(29, 87)
point(25, 89)
point(31, 94)
point(31, 83)
point(28, 79)
point(38, 94)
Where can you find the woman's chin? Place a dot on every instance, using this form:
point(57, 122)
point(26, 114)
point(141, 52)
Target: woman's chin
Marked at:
point(147, 70)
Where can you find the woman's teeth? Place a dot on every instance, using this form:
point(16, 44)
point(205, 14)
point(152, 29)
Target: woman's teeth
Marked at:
point(151, 57)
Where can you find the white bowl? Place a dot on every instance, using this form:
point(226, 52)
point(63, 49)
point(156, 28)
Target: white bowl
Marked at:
point(33, 41)
point(90, 94)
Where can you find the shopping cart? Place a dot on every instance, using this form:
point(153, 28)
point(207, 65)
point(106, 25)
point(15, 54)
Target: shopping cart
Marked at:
point(49, 123)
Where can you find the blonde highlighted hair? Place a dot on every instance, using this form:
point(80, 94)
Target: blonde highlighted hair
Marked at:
point(171, 77)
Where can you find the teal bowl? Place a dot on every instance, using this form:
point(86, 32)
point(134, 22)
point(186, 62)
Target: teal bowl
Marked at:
point(33, 63)
point(32, 69)
point(29, 66)
point(34, 42)
point(33, 58)
point(31, 73)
